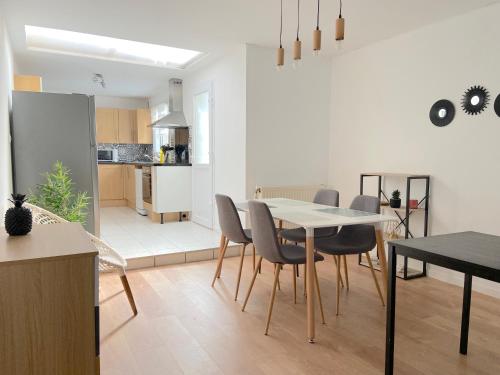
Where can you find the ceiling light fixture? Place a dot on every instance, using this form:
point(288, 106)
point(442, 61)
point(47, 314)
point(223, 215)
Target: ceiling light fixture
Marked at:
point(339, 27)
point(99, 79)
point(317, 35)
point(297, 45)
point(106, 48)
point(280, 55)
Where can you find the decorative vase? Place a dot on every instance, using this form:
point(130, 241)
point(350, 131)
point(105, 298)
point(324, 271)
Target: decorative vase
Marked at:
point(18, 219)
point(395, 203)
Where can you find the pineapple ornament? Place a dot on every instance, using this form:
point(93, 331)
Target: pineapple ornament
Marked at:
point(18, 219)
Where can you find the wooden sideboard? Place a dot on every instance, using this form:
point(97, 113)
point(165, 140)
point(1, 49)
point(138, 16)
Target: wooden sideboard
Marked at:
point(49, 302)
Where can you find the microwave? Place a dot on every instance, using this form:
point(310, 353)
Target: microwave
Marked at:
point(108, 154)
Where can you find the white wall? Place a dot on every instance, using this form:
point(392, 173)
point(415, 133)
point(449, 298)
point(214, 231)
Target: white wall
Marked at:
point(227, 76)
point(381, 96)
point(287, 120)
point(120, 102)
point(6, 85)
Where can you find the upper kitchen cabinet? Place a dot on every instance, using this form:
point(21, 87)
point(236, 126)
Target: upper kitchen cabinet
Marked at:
point(130, 126)
point(106, 125)
point(144, 130)
point(127, 129)
point(27, 83)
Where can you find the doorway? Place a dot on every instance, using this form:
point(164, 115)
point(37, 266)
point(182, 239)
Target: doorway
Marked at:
point(203, 155)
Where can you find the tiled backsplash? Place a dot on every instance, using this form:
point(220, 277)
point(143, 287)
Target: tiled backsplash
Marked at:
point(129, 152)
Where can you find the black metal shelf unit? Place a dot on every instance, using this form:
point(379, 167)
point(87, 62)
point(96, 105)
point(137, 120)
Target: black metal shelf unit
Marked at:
point(404, 220)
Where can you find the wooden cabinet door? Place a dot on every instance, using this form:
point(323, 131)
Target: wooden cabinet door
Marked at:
point(144, 131)
point(127, 131)
point(106, 120)
point(110, 182)
point(130, 184)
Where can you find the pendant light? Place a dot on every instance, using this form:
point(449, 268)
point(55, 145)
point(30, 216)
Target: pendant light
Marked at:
point(280, 55)
point(339, 27)
point(297, 45)
point(317, 35)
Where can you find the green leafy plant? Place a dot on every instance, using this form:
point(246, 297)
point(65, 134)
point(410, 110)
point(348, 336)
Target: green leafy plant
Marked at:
point(396, 194)
point(57, 195)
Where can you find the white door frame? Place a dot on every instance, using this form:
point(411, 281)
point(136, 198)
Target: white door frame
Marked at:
point(201, 88)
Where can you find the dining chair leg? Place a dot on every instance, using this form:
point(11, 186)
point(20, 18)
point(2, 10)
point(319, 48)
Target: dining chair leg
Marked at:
point(276, 266)
point(294, 278)
point(242, 258)
point(259, 261)
point(222, 251)
point(128, 292)
point(375, 277)
point(226, 244)
point(253, 256)
point(338, 285)
point(297, 271)
point(273, 295)
point(336, 265)
point(319, 295)
point(345, 272)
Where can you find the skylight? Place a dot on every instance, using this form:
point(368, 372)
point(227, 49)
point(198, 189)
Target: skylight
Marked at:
point(106, 48)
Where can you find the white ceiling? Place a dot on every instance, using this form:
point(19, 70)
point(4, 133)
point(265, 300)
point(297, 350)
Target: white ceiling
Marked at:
point(210, 26)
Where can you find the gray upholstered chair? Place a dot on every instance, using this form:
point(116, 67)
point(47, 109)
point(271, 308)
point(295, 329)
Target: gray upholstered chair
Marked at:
point(327, 197)
point(232, 230)
point(353, 239)
point(265, 239)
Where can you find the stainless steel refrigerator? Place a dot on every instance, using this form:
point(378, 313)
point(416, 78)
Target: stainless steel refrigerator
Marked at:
point(48, 127)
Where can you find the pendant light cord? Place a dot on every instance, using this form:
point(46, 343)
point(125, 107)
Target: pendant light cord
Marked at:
point(317, 18)
point(340, 14)
point(281, 22)
point(298, 18)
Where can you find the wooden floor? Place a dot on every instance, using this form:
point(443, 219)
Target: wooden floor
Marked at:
point(186, 327)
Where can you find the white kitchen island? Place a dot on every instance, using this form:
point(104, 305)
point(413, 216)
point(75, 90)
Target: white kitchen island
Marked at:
point(171, 188)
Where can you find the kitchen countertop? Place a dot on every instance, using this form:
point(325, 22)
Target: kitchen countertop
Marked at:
point(146, 163)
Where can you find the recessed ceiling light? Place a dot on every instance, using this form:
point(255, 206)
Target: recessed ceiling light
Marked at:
point(106, 48)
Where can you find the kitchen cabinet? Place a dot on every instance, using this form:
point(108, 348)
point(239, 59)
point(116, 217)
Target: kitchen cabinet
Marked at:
point(127, 126)
point(27, 83)
point(129, 182)
point(111, 185)
point(106, 120)
point(171, 188)
point(144, 130)
point(127, 129)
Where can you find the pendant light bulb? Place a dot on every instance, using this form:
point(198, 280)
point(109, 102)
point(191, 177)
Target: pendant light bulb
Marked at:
point(317, 36)
point(280, 52)
point(339, 26)
point(280, 57)
point(297, 45)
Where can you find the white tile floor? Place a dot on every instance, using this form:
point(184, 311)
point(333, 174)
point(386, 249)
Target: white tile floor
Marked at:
point(136, 236)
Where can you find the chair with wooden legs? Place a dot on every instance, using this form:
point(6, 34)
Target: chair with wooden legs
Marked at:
point(353, 239)
point(109, 259)
point(265, 239)
point(232, 230)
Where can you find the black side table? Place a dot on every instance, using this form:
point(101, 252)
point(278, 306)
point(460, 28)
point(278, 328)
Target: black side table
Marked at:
point(474, 254)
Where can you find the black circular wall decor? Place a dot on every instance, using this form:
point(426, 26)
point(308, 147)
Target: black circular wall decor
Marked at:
point(475, 100)
point(497, 105)
point(442, 112)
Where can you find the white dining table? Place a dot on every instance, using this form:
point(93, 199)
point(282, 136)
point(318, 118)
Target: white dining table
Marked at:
point(311, 216)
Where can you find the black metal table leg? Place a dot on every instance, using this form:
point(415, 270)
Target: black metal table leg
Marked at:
point(391, 313)
point(464, 333)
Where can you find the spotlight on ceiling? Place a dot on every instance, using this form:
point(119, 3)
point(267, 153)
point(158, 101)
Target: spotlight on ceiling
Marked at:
point(99, 79)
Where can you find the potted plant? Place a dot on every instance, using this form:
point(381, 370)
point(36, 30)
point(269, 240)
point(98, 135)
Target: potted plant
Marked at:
point(57, 195)
point(395, 199)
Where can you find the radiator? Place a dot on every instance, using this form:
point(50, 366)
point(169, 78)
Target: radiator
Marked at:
point(301, 193)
